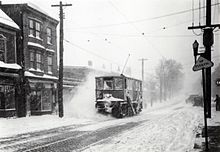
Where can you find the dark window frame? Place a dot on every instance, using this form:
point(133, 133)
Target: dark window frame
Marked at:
point(50, 64)
point(3, 48)
point(34, 29)
point(49, 35)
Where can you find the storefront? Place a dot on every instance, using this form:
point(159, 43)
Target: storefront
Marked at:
point(8, 94)
point(41, 96)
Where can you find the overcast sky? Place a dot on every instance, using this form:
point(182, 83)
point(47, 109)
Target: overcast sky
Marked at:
point(106, 31)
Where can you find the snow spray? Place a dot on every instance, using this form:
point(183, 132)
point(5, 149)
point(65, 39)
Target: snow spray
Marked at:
point(82, 104)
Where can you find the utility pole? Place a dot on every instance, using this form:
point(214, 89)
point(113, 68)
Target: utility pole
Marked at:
point(60, 81)
point(208, 40)
point(142, 73)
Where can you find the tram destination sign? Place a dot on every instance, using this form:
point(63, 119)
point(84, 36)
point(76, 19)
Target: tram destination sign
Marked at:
point(202, 63)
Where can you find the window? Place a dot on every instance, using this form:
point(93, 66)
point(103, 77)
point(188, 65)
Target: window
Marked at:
point(31, 27)
point(49, 64)
point(49, 36)
point(34, 28)
point(46, 99)
point(118, 84)
point(108, 85)
point(129, 84)
point(7, 97)
point(36, 60)
point(31, 59)
point(39, 61)
point(41, 98)
point(37, 29)
point(99, 83)
point(2, 47)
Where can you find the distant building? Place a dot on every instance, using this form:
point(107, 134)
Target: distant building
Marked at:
point(37, 45)
point(9, 70)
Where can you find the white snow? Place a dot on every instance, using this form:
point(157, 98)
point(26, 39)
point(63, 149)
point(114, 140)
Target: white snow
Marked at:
point(13, 126)
point(50, 50)
point(10, 65)
point(36, 45)
point(6, 20)
point(170, 126)
point(108, 99)
point(29, 74)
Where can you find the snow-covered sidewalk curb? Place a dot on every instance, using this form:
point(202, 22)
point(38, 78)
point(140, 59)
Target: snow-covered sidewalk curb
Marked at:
point(13, 126)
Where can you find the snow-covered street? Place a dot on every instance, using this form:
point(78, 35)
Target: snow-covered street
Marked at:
point(170, 126)
point(170, 129)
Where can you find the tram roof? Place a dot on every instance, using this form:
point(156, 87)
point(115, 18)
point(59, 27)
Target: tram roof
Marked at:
point(121, 75)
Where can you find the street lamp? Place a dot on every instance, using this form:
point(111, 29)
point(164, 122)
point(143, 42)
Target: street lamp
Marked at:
point(195, 49)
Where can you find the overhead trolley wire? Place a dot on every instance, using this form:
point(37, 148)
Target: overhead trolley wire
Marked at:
point(132, 24)
point(90, 52)
point(145, 19)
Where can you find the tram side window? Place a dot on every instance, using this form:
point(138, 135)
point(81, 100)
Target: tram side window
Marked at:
point(99, 83)
point(108, 85)
point(129, 84)
point(137, 86)
point(118, 84)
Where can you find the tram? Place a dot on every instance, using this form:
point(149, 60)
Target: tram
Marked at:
point(118, 95)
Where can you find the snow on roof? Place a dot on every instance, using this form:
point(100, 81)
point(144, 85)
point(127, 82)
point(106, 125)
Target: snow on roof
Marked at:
point(36, 45)
point(6, 20)
point(10, 65)
point(37, 8)
point(45, 76)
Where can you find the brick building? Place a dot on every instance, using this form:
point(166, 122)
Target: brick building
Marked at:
point(9, 70)
point(37, 45)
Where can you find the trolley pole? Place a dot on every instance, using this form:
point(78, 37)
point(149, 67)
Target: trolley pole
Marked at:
point(60, 81)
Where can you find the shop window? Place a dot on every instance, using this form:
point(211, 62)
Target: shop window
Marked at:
point(49, 64)
point(46, 99)
point(35, 100)
point(2, 47)
point(49, 36)
point(7, 97)
point(41, 98)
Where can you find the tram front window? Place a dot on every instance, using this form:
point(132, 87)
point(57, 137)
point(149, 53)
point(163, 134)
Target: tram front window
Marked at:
point(108, 85)
point(118, 84)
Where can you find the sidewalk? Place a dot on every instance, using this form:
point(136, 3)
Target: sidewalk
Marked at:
point(213, 134)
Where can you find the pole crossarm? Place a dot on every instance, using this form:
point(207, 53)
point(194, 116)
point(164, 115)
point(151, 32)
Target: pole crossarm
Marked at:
point(204, 26)
point(61, 5)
